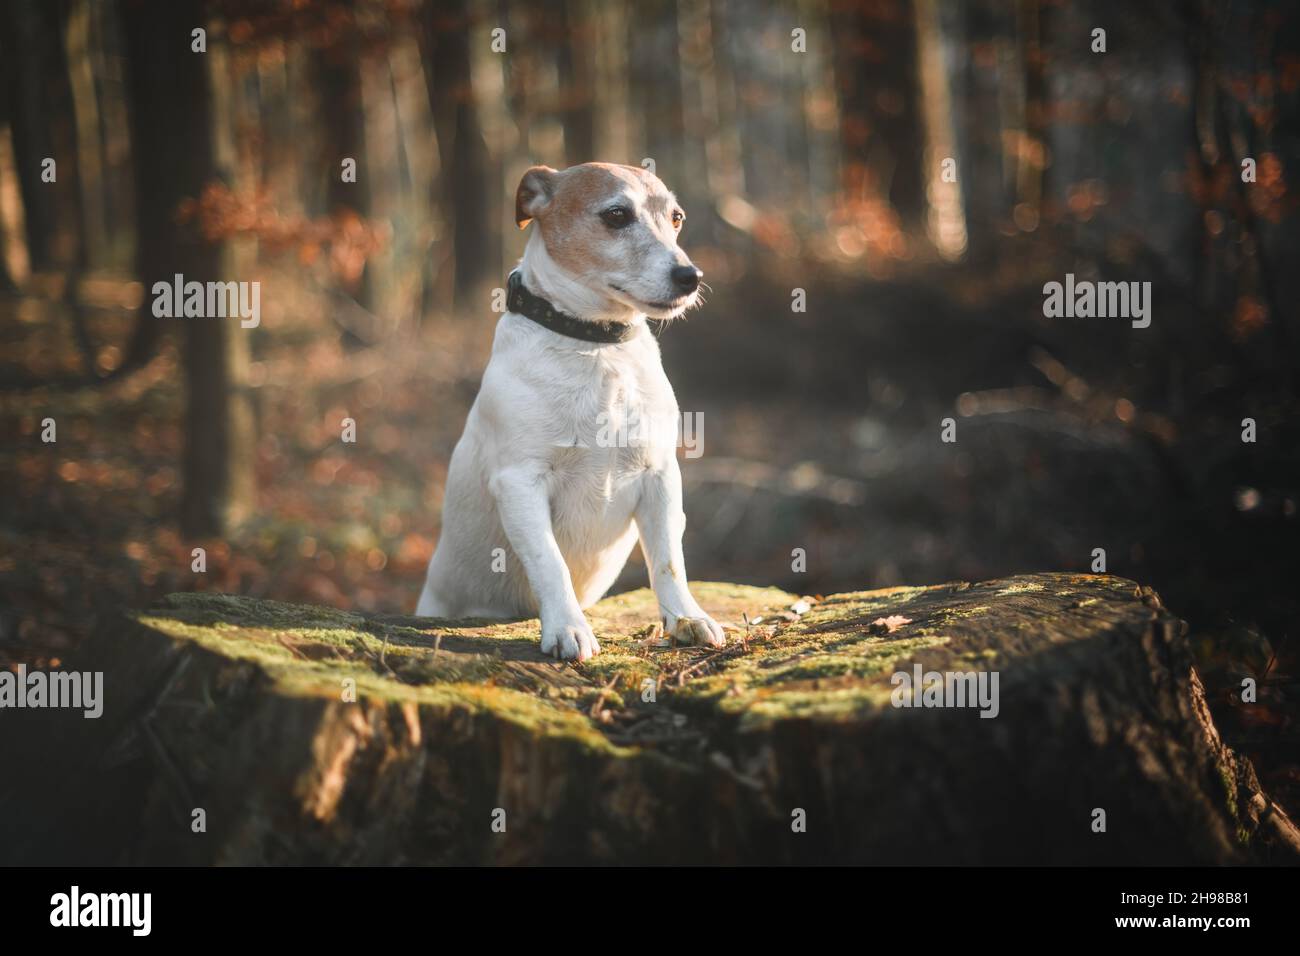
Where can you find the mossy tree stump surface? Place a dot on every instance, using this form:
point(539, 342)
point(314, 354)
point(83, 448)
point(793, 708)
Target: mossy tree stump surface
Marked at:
point(647, 753)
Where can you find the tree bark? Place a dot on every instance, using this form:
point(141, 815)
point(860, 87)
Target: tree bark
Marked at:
point(979, 125)
point(342, 128)
point(575, 63)
point(654, 86)
point(882, 139)
point(173, 153)
point(464, 175)
point(13, 239)
point(238, 707)
point(43, 125)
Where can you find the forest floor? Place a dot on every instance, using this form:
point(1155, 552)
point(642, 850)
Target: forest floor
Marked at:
point(821, 432)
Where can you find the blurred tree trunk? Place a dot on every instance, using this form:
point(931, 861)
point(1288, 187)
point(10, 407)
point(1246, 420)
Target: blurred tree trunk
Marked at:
point(171, 118)
point(342, 125)
point(769, 112)
point(1032, 155)
point(978, 25)
point(93, 228)
point(654, 66)
point(695, 85)
point(1235, 273)
point(881, 128)
point(576, 62)
point(725, 147)
point(387, 171)
point(13, 244)
point(41, 116)
point(238, 158)
point(609, 28)
point(342, 128)
point(514, 114)
point(946, 223)
point(117, 199)
point(465, 176)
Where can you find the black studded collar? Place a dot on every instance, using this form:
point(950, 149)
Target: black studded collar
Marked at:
point(520, 300)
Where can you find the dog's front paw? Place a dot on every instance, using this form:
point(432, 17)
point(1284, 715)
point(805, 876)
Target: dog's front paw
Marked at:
point(569, 639)
point(700, 629)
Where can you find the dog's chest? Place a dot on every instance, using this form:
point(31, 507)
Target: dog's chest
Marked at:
point(621, 410)
point(615, 423)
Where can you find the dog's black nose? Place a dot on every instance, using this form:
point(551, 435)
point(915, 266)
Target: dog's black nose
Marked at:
point(686, 278)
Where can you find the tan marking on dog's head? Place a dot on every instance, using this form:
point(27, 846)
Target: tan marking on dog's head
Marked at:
point(608, 224)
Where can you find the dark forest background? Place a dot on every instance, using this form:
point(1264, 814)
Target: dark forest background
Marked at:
point(804, 160)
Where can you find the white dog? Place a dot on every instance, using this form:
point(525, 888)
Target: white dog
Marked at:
point(569, 452)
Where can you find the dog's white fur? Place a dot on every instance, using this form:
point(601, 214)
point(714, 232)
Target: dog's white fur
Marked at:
point(535, 472)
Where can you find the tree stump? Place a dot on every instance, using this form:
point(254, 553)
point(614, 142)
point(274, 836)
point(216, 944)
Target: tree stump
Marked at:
point(306, 735)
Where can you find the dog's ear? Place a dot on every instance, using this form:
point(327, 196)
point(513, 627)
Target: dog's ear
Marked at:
point(534, 194)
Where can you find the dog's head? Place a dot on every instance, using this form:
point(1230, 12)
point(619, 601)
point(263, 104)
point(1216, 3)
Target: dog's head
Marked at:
point(614, 228)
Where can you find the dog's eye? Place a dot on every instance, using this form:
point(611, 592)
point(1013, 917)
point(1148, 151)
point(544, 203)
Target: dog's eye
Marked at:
point(617, 217)
point(678, 216)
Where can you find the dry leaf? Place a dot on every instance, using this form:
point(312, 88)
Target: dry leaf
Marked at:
point(887, 625)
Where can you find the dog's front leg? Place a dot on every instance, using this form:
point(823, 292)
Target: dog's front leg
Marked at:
point(660, 522)
point(521, 500)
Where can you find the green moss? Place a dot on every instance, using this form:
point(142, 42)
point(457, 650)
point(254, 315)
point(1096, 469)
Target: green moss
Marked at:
point(483, 667)
point(831, 663)
point(810, 671)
